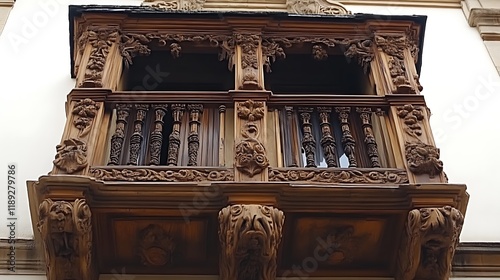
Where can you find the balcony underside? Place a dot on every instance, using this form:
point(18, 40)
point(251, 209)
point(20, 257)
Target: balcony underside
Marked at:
point(161, 228)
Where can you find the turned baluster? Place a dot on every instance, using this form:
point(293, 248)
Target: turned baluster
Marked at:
point(222, 132)
point(293, 136)
point(348, 141)
point(308, 142)
point(156, 138)
point(136, 138)
point(371, 144)
point(194, 139)
point(327, 140)
point(122, 113)
point(174, 140)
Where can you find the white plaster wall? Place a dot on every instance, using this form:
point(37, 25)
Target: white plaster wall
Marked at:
point(460, 83)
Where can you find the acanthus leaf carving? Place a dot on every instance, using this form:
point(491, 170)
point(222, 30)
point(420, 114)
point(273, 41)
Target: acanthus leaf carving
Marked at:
point(66, 231)
point(85, 111)
point(423, 159)
point(100, 39)
point(249, 235)
point(156, 247)
point(251, 156)
point(334, 175)
point(167, 175)
point(251, 110)
point(412, 117)
point(326, 7)
point(362, 50)
point(249, 44)
point(71, 155)
point(429, 243)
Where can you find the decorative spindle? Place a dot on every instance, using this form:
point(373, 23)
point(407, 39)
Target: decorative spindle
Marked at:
point(222, 132)
point(327, 140)
point(294, 140)
point(156, 138)
point(122, 112)
point(174, 140)
point(348, 141)
point(308, 142)
point(371, 144)
point(136, 138)
point(194, 139)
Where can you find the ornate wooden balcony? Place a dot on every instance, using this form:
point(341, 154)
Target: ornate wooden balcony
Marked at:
point(318, 164)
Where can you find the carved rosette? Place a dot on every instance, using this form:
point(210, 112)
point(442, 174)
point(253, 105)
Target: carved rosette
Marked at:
point(100, 39)
point(146, 174)
point(249, 44)
point(423, 159)
point(412, 117)
point(358, 176)
point(66, 231)
point(250, 110)
point(431, 237)
point(71, 156)
point(249, 236)
point(394, 47)
point(84, 111)
point(325, 7)
point(156, 247)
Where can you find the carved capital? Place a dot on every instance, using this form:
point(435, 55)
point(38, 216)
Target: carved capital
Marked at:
point(71, 156)
point(431, 237)
point(66, 230)
point(423, 159)
point(326, 7)
point(249, 236)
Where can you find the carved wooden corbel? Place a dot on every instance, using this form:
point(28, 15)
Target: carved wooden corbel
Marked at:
point(71, 156)
point(423, 159)
point(249, 236)
point(431, 237)
point(249, 65)
point(326, 7)
point(66, 230)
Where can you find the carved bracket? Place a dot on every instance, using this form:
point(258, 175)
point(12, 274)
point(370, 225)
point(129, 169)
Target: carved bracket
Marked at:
point(249, 236)
point(66, 231)
point(423, 159)
point(71, 156)
point(431, 237)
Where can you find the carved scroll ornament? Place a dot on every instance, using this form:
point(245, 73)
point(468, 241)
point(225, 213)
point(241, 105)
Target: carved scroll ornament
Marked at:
point(71, 156)
point(251, 156)
point(326, 7)
point(358, 176)
point(174, 5)
point(156, 247)
point(432, 235)
point(145, 174)
point(249, 236)
point(85, 111)
point(66, 230)
point(423, 159)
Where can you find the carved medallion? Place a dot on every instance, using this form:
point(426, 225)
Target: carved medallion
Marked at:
point(156, 247)
point(251, 156)
point(71, 155)
point(326, 7)
point(85, 111)
point(249, 236)
point(66, 230)
point(432, 235)
point(423, 159)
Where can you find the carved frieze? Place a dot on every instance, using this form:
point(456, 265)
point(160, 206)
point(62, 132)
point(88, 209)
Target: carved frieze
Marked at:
point(174, 5)
point(84, 111)
point(71, 155)
point(251, 156)
point(249, 44)
point(100, 39)
point(423, 159)
point(167, 175)
point(326, 7)
point(156, 247)
point(412, 117)
point(249, 236)
point(66, 231)
point(327, 175)
point(431, 237)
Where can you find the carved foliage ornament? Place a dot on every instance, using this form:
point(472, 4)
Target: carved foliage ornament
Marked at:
point(66, 230)
point(412, 117)
point(85, 111)
point(339, 176)
point(251, 156)
point(71, 156)
point(326, 7)
point(174, 5)
point(145, 174)
point(249, 236)
point(156, 247)
point(249, 44)
point(423, 159)
point(251, 110)
point(432, 235)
